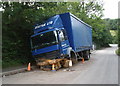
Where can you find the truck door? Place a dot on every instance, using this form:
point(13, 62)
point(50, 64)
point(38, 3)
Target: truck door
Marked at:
point(64, 44)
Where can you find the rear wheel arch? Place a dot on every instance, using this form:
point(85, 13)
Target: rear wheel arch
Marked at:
point(73, 57)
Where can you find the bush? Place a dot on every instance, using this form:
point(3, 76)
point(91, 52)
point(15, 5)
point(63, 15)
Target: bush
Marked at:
point(118, 52)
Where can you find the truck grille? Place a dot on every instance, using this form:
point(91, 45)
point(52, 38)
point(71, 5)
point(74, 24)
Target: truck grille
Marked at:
point(48, 55)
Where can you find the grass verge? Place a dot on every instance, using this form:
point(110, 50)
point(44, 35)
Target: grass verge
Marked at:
point(8, 63)
point(118, 52)
point(11, 63)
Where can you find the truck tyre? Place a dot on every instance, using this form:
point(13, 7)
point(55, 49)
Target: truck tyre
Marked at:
point(74, 58)
point(87, 55)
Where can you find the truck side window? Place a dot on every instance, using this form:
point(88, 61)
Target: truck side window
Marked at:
point(65, 34)
point(62, 35)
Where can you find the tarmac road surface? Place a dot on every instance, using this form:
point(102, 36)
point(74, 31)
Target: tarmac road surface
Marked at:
point(102, 68)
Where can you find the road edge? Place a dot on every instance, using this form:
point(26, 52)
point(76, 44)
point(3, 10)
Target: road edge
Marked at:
point(16, 71)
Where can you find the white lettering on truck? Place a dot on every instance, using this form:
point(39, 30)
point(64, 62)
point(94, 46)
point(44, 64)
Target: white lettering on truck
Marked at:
point(42, 25)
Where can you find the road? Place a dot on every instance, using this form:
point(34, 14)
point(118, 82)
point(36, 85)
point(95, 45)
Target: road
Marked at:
point(102, 68)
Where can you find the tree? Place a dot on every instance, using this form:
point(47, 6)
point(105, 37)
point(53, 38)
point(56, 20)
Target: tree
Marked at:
point(19, 20)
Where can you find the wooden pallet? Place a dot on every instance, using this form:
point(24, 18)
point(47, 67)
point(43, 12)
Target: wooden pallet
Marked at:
point(58, 63)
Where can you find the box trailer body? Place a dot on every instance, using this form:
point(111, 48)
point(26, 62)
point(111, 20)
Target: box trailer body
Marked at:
point(79, 33)
point(59, 36)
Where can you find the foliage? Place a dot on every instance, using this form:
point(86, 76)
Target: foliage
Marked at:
point(118, 52)
point(114, 34)
point(19, 20)
point(119, 36)
point(111, 24)
point(119, 32)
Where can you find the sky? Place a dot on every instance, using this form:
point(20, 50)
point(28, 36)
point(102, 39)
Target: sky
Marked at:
point(111, 9)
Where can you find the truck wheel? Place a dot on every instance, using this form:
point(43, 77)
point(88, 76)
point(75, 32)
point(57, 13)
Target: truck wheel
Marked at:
point(73, 58)
point(87, 55)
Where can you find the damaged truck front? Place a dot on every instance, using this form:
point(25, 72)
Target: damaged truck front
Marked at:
point(60, 38)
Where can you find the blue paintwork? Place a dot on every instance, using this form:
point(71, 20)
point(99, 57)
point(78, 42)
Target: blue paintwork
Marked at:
point(82, 34)
point(44, 32)
point(44, 50)
point(66, 21)
point(57, 23)
point(63, 47)
point(79, 33)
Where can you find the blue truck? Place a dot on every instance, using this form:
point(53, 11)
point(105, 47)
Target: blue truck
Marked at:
point(63, 36)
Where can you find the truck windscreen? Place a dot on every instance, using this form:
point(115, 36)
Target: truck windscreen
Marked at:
point(44, 40)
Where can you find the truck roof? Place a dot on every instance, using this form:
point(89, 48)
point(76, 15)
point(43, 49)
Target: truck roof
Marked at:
point(55, 22)
point(79, 19)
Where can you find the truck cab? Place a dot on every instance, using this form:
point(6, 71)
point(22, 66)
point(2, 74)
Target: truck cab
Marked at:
point(62, 36)
point(49, 42)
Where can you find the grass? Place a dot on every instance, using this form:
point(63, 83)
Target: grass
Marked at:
point(16, 62)
point(11, 63)
point(113, 32)
point(118, 52)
